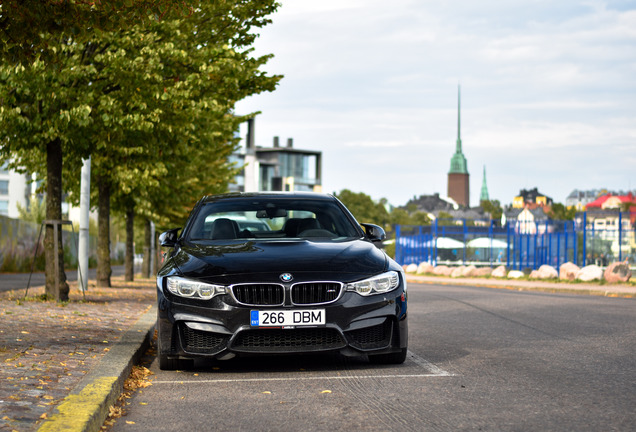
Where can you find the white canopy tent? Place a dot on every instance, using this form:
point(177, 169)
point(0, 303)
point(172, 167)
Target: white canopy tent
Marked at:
point(486, 243)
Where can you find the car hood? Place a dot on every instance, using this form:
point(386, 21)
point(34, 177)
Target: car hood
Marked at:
point(204, 260)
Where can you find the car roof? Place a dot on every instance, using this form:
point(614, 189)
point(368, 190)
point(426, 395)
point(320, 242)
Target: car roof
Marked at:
point(267, 195)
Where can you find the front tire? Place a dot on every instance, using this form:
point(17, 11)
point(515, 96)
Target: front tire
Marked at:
point(167, 363)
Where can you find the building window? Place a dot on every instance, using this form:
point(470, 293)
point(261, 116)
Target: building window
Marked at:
point(4, 187)
point(4, 207)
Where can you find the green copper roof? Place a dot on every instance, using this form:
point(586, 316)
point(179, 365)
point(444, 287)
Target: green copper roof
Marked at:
point(483, 196)
point(458, 161)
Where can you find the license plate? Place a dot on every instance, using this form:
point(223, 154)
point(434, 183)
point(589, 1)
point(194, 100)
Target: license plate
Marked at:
point(283, 318)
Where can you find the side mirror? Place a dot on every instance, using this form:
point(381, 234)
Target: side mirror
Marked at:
point(169, 238)
point(375, 233)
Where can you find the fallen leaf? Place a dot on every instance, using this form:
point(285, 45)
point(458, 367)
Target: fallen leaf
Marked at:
point(267, 392)
point(326, 391)
point(43, 416)
point(130, 422)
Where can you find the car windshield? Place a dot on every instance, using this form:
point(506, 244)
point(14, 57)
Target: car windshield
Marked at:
point(271, 218)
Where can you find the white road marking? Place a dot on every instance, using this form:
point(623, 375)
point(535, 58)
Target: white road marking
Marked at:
point(434, 371)
point(312, 378)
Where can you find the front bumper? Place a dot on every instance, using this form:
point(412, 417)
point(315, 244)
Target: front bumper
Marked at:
point(220, 328)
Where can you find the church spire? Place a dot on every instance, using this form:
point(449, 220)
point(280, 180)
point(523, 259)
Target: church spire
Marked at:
point(458, 177)
point(483, 196)
point(458, 161)
point(458, 148)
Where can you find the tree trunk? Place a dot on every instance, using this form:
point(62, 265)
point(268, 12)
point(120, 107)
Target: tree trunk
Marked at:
point(145, 266)
point(129, 259)
point(56, 286)
point(103, 233)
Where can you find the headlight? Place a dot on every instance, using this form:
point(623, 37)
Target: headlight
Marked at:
point(376, 285)
point(194, 289)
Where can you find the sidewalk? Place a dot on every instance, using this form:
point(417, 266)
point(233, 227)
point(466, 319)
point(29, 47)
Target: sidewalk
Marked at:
point(607, 290)
point(51, 353)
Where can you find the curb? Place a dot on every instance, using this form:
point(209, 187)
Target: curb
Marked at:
point(86, 407)
point(598, 290)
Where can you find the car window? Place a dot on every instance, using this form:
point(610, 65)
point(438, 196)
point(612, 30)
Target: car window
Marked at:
point(271, 219)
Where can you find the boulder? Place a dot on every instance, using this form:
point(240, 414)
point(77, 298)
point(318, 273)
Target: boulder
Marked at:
point(515, 274)
point(411, 268)
point(442, 270)
point(469, 271)
point(590, 273)
point(457, 271)
point(568, 271)
point(499, 272)
point(424, 268)
point(618, 272)
point(545, 272)
point(482, 271)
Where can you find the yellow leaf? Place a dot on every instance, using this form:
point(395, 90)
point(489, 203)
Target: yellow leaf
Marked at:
point(130, 422)
point(326, 391)
point(267, 392)
point(43, 416)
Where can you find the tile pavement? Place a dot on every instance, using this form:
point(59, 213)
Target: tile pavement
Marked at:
point(47, 348)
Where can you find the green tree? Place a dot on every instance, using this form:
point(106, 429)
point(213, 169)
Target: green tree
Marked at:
point(363, 208)
point(409, 216)
point(559, 211)
point(58, 107)
point(420, 218)
point(28, 26)
point(39, 117)
point(400, 216)
point(164, 110)
point(42, 116)
point(493, 208)
point(445, 219)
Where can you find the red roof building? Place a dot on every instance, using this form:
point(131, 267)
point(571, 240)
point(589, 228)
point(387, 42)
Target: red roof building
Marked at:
point(609, 201)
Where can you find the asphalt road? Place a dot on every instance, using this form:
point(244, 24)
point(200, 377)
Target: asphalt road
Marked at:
point(480, 359)
point(11, 281)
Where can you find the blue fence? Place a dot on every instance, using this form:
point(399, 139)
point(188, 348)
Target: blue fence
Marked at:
point(518, 244)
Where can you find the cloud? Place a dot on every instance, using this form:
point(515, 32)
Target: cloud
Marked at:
point(547, 92)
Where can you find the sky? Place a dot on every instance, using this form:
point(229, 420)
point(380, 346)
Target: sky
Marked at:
point(548, 93)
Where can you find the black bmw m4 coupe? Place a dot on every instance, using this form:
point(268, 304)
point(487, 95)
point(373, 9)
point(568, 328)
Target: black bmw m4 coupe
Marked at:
point(278, 273)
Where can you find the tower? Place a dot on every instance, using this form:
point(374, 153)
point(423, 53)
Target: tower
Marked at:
point(483, 196)
point(458, 177)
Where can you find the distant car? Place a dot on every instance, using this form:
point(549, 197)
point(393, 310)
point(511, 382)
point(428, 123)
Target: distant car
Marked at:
point(307, 278)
